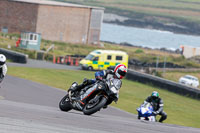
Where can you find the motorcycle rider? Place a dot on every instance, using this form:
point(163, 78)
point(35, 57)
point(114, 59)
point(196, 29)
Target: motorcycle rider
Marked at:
point(157, 104)
point(119, 73)
point(3, 67)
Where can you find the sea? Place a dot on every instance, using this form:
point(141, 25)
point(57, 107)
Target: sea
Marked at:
point(146, 37)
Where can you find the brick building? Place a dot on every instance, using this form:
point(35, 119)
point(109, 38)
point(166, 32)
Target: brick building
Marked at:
point(56, 21)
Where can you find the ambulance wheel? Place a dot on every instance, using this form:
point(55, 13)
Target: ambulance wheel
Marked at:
point(90, 68)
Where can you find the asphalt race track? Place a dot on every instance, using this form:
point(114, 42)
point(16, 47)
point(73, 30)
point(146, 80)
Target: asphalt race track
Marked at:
point(29, 107)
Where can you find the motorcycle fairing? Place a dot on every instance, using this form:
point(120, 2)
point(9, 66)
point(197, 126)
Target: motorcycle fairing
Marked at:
point(88, 92)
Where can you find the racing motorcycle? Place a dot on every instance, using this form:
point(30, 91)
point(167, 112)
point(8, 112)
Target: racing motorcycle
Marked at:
point(145, 112)
point(96, 96)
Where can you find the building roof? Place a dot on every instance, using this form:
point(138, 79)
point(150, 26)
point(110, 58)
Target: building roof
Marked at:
point(109, 52)
point(55, 3)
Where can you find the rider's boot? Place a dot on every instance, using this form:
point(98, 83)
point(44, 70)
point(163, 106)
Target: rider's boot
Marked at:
point(163, 117)
point(76, 100)
point(76, 87)
point(79, 103)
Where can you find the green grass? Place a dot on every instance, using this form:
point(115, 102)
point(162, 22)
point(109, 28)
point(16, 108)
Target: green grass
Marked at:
point(181, 110)
point(185, 10)
point(175, 75)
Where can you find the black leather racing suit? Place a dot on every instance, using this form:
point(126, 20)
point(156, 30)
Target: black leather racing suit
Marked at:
point(99, 75)
point(157, 106)
point(105, 74)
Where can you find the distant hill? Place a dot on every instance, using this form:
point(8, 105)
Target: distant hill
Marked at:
point(179, 16)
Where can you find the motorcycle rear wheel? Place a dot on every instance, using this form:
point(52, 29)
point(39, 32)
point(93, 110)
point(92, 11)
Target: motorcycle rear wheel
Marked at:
point(93, 108)
point(64, 104)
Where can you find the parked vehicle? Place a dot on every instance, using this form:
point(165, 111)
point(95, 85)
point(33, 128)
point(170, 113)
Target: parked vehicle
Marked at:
point(189, 80)
point(101, 94)
point(145, 112)
point(104, 59)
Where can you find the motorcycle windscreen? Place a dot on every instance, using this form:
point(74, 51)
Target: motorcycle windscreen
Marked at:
point(117, 83)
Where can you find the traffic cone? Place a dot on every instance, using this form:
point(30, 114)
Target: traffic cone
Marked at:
point(69, 60)
point(77, 62)
point(54, 59)
point(71, 63)
point(66, 60)
point(58, 60)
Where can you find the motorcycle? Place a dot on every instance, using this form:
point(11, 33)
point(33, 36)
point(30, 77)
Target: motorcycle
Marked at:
point(96, 96)
point(145, 112)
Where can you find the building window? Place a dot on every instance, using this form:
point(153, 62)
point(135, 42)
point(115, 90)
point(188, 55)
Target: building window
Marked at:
point(118, 57)
point(4, 30)
point(109, 57)
point(35, 38)
point(31, 36)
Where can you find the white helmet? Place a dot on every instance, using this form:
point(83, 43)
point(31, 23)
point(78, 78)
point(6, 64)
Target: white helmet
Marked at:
point(120, 71)
point(2, 60)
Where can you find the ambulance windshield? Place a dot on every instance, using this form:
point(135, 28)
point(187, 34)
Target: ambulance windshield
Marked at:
point(89, 57)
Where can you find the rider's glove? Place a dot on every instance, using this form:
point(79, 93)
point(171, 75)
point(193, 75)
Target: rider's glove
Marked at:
point(85, 82)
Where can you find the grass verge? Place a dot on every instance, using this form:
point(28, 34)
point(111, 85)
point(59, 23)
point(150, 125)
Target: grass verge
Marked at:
point(181, 110)
point(176, 75)
point(161, 10)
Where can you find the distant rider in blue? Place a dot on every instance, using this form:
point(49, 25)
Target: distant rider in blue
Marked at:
point(157, 104)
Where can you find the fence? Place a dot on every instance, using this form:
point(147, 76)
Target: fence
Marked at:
point(164, 84)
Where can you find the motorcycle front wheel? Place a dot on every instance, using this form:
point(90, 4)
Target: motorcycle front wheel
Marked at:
point(64, 104)
point(91, 108)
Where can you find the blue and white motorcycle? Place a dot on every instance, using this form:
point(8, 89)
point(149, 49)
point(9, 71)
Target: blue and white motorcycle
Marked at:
point(145, 112)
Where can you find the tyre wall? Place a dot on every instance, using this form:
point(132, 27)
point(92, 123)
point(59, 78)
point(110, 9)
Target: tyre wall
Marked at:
point(164, 84)
point(14, 56)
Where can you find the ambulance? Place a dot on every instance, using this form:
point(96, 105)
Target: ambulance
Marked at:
point(104, 59)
